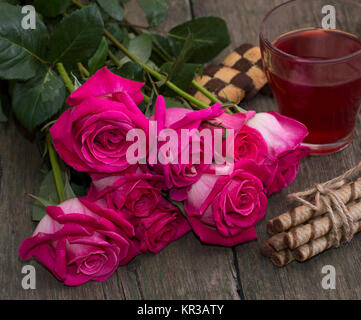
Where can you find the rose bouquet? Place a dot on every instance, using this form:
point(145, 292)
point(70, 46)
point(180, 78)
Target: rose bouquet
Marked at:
point(132, 161)
point(137, 206)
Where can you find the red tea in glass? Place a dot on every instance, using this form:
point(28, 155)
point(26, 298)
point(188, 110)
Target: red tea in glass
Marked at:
point(329, 111)
point(315, 75)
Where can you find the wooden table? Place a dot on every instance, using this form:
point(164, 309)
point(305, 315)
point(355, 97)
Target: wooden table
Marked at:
point(185, 269)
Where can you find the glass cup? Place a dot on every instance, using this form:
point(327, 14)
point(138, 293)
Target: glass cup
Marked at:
point(311, 52)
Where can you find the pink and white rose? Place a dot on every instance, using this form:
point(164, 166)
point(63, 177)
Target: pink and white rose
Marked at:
point(270, 139)
point(79, 241)
point(283, 136)
point(223, 210)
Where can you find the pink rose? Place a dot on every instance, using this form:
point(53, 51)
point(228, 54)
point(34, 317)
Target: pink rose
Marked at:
point(132, 195)
point(223, 210)
point(234, 121)
point(91, 137)
point(80, 241)
point(249, 144)
point(270, 139)
point(138, 199)
point(284, 170)
point(283, 136)
point(106, 85)
point(165, 225)
point(180, 176)
point(281, 133)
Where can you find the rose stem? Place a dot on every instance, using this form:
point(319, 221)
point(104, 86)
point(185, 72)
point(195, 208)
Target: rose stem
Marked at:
point(85, 73)
point(205, 92)
point(77, 3)
point(154, 73)
point(153, 84)
point(59, 184)
point(158, 75)
point(167, 58)
point(56, 169)
point(68, 83)
point(195, 84)
point(114, 58)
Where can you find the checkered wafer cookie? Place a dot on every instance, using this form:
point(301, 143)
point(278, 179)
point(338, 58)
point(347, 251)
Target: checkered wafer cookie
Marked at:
point(247, 60)
point(226, 83)
point(240, 76)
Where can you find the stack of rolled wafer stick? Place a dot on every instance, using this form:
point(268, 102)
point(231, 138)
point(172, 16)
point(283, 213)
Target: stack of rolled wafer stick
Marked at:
point(308, 230)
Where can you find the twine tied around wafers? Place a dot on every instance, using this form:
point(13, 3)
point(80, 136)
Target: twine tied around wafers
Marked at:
point(324, 194)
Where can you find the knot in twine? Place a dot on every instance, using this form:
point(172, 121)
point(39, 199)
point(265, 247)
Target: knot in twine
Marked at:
point(326, 195)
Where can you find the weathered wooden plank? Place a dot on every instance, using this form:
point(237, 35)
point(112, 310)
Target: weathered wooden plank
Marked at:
point(303, 281)
point(20, 166)
point(185, 269)
point(20, 174)
point(259, 278)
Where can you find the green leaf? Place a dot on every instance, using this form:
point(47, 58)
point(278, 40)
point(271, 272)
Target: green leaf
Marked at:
point(130, 70)
point(113, 8)
point(119, 33)
point(181, 59)
point(182, 78)
point(48, 8)
point(38, 99)
point(140, 47)
point(209, 34)
point(178, 204)
point(97, 61)
point(21, 51)
point(77, 37)
point(43, 201)
point(155, 10)
point(174, 103)
point(68, 192)
point(47, 196)
point(163, 44)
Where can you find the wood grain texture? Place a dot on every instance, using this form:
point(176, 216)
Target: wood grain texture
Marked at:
point(20, 163)
point(259, 278)
point(185, 269)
